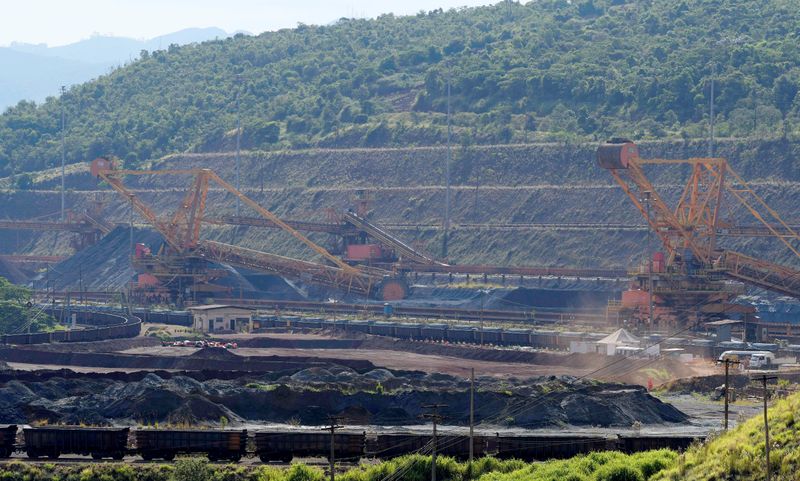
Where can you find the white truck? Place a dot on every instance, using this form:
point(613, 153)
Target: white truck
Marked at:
point(751, 359)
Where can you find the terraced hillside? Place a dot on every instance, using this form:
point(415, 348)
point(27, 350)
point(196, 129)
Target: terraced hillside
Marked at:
point(541, 183)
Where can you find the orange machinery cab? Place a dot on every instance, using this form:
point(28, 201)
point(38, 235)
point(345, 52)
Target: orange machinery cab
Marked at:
point(100, 164)
point(364, 252)
point(147, 280)
point(616, 153)
point(634, 298)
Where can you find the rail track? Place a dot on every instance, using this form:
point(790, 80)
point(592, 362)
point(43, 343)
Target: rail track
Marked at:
point(532, 315)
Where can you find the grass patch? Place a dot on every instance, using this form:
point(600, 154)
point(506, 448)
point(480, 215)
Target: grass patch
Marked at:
point(740, 453)
point(609, 466)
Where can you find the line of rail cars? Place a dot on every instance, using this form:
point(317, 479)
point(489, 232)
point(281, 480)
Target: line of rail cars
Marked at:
point(232, 445)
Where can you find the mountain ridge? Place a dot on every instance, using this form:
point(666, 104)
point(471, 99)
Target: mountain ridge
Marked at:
point(32, 72)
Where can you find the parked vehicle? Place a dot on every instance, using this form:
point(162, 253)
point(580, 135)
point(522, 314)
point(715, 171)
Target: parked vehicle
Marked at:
point(750, 359)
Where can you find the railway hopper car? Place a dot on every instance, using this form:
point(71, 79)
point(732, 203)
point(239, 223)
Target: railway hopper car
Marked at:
point(635, 444)
point(358, 326)
point(283, 446)
point(55, 441)
point(541, 448)
point(434, 332)
point(264, 322)
point(309, 323)
point(217, 444)
point(461, 334)
point(517, 337)
point(8, 439)
point(490, 335)
point(408, 330)
point(380, 328)
point(543, 339)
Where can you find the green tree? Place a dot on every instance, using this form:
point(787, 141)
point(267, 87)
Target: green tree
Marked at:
point(785, 92)
point(17, 313)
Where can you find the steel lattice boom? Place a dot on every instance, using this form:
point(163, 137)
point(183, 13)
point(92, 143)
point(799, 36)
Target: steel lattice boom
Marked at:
point(688, 232)
point(182, 232)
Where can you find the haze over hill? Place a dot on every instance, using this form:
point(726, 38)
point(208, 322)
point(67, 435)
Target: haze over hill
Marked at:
point(35, 71)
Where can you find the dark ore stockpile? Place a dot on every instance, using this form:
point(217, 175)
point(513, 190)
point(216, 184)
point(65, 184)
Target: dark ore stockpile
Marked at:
point(308, 396)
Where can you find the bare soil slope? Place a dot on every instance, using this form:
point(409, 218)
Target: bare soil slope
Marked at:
point(492, 184)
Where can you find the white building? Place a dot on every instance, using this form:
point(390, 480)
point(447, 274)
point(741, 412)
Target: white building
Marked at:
point(221, 318)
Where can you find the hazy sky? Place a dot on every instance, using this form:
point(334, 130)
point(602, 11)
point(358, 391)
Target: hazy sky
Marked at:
point(58, 22)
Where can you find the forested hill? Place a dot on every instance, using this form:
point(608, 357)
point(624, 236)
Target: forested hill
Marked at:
point(545, 70)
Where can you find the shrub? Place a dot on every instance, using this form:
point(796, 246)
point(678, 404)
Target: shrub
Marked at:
point(267, 473)
point(652, 462)
point(192, 469)
point(301, 472)
point(618, 471)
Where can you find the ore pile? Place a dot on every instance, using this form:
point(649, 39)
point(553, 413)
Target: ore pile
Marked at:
point(308, 396)
point(106, 266)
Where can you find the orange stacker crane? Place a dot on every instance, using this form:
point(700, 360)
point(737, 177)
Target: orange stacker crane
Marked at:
point(693, 280)
point(187, 255)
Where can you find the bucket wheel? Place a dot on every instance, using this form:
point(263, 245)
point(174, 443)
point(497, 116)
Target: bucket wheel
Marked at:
point(392, 289)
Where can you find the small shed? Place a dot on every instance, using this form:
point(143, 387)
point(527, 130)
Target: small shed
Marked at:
point(723, 328)
point(618, 339)
point(220, 317)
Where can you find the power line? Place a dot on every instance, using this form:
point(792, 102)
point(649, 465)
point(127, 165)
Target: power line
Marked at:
point(239, 80)
point(522, 407)
point(445, 238)
point(471, 417)
point(63, 150)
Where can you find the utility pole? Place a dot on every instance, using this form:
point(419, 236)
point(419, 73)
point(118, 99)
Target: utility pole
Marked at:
point(63, 149)
point(130, 234)
point(334, 420)
point(471, 418)
point(80, 279)
point(435, 417)
point(483, 293)
point(238, 139)
point(755, 113)
point(445, 239)
point(728, 363)
point(711, 118)
point(764, 378)
point(132, 252)
point(649, 259)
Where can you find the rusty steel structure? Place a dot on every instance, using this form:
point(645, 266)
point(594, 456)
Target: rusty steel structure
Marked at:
point(31, 259)
point(88, 226)
point(188, 254)
point(697, 271)
point(406, 258)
